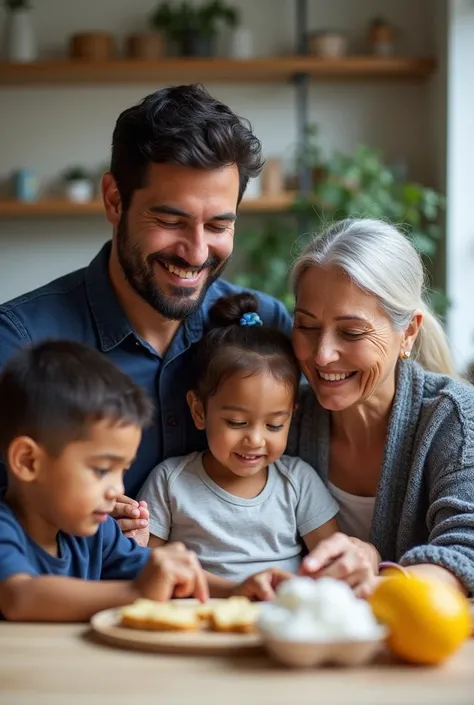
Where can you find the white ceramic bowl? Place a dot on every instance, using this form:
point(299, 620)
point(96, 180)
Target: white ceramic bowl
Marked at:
point(302, 654)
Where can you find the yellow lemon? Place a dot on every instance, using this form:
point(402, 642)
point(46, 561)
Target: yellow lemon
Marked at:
point(428, 620)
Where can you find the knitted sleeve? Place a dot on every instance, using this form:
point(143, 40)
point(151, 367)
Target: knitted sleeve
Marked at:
point(449, 477)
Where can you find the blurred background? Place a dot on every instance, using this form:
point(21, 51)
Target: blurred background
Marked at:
point(364, 108)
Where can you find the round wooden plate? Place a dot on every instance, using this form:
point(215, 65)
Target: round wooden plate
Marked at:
point(106, 625)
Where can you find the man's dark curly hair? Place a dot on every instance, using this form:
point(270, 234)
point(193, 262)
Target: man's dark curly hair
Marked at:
point(181, 125)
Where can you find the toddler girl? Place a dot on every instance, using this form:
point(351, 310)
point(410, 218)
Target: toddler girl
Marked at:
point(242, 506)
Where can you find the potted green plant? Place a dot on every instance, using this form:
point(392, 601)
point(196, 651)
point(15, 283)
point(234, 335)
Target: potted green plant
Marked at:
point(361, 184)
point(358, 184)
point(20, 40)
point(194, 29)
point(79, 186)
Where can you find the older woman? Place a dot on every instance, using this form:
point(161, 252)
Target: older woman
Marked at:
point(383, 422)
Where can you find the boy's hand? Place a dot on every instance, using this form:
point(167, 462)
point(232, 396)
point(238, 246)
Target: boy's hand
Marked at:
point(132, 517)
point(172, 571)
point(262, 586)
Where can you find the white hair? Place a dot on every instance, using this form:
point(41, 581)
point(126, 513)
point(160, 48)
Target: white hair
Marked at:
point(379, 259)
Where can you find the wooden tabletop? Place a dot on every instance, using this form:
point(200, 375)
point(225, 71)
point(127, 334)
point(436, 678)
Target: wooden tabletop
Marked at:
point(64, 665)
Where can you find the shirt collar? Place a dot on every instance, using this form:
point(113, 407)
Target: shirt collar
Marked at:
point(195, 323)
point(191, 331)
point(112, 324)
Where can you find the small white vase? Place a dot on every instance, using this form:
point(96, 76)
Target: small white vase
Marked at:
point(242, 44)
point(253, 190)
point(79, 190)
point(20, 40)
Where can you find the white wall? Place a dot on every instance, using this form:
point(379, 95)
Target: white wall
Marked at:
point(49, 129)
point(460, 179)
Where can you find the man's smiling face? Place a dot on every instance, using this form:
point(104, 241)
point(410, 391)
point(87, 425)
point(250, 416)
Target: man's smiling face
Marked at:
point(177, 236)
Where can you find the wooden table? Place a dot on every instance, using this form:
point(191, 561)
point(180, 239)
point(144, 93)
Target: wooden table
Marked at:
point(63, 665)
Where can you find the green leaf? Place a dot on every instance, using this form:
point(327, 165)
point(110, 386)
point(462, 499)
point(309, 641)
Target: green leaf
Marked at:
point(433, 231)
point(438, 301)
point(411, 194)
point(331, 195)
point(423, 243)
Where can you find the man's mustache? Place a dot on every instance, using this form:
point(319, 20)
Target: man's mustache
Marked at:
point(180, 263)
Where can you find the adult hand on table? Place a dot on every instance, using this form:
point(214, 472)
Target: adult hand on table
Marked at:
point(344, 558)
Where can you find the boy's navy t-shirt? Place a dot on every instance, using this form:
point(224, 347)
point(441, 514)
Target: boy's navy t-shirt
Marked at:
point(107, 555)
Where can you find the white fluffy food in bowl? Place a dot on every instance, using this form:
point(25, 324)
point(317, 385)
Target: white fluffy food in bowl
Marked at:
point(312, 622)
point(318, 610)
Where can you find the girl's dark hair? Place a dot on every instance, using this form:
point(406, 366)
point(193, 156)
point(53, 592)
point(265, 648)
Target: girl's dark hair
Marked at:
point(230, 348)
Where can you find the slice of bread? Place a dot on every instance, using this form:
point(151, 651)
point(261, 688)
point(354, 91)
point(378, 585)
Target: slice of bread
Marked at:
point(204, 611)
point(159, 616)
point(237, 614)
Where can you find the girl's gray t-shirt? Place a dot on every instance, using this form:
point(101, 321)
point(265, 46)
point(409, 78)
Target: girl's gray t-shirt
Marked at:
point(235, 537)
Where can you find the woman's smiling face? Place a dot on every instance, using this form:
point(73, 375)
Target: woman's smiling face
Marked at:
point(345, 343)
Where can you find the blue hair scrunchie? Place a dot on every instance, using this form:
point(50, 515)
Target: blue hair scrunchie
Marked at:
point(251, 319)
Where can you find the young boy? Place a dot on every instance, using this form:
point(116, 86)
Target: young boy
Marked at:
point(70, 426)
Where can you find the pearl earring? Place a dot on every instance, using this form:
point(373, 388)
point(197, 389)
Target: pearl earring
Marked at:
point(405, 354)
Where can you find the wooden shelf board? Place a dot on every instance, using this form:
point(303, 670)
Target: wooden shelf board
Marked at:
point(50, 208)
point(10, 208)
point(64, 72)
point(268, 204)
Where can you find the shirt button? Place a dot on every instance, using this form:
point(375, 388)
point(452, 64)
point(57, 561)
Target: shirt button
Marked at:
point(172, 420)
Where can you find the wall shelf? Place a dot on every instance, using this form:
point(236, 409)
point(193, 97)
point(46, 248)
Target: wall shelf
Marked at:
point(120, 71)
point(47, 208)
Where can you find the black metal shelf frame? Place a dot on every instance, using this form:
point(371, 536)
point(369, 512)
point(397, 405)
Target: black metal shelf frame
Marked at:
point(301, 83)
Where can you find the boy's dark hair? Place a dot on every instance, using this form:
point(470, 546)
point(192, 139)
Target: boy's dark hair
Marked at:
point(181, 125)
point(230, 348)
point(53, 392)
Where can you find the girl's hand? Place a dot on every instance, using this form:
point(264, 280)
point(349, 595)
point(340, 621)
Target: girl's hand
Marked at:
point(142, 534)
point(344, 558)
point(262, 586)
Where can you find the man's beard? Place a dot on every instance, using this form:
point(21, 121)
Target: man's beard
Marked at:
point(139, 274)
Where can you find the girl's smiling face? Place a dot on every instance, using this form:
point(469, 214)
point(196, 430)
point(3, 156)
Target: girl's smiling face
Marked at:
point(344, 341)
point(246, 422)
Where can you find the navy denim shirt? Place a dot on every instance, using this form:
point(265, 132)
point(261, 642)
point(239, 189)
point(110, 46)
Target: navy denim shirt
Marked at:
point(82, 306)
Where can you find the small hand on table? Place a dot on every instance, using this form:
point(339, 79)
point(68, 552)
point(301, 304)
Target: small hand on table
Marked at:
point(172, 572)
point(262, 586)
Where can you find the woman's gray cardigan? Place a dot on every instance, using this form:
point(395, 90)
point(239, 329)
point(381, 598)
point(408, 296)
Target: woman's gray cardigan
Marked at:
point(424, 509)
